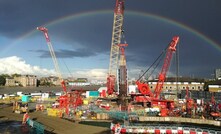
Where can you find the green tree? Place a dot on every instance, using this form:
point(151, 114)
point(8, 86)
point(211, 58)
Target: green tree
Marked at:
point(16, 75)
point(2, 80)
point(5, 75)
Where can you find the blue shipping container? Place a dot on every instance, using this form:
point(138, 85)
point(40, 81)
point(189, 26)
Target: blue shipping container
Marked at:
point(94, 93)
point(25, 98)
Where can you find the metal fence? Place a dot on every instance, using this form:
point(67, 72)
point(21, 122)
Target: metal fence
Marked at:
point(37, 127)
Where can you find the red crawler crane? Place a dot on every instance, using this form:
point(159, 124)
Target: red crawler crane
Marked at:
point(67, 100)
point(166, 65)
point(153, 98)
point(45, 31)
point(116, 39)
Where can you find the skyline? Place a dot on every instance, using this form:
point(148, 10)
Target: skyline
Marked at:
point(80, 33)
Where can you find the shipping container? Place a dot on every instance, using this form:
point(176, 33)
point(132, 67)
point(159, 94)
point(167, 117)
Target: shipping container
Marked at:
point(92, 94)
point(25, 98)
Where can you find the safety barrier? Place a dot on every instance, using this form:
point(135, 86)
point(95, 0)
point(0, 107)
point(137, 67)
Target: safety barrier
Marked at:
point(118, 115)
point(38, 128)
point(102, 116)
point(180, 119)
point(53, 112)
point(163, 130)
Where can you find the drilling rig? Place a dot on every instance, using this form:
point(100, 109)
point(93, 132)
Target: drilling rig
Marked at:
point(122, 79)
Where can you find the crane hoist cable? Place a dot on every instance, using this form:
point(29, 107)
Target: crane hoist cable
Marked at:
point(156, 63)
point(67, 68)
point(51, 50)
point(123, 38)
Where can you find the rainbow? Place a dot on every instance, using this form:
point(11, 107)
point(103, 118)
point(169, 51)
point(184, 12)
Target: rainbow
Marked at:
point(78, 16)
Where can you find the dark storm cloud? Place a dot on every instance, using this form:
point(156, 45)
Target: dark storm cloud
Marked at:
point(82, 53)
point(204, 16)
point(146, 37)
point(22, 16)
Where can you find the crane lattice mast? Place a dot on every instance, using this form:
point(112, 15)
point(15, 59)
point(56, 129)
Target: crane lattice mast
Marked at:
point(116, 39)
point(57, 69)
point(162, 76)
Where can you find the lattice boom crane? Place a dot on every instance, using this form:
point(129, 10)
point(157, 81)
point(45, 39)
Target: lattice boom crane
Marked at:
point(116, 39)
point(57, 69)
point(166, 65)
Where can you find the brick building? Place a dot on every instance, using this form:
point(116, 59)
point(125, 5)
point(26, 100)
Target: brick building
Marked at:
point(181, 83)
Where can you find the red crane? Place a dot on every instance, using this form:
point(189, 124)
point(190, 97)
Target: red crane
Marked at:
point(189, 102)
point(70, 99)
point(166, 65)
point(116, 39)
point(57, 69)
point(146, 94)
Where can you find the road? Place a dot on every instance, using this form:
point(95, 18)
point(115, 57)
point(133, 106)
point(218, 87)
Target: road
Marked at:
point(11, 90)
point(53, 125)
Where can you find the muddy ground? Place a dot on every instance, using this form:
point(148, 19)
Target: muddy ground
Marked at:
point(55, 125)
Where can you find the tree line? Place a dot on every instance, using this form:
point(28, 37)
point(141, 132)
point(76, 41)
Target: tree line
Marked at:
point(4, 76)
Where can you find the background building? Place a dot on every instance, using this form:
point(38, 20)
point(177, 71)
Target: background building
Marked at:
point(27, 80)
point(79, 82)
point(214, 88)
point(10, 82)
point(171, 84)
point(50, 81)
point(218, 73)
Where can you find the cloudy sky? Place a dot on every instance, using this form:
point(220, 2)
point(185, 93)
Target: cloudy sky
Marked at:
point(81, 30)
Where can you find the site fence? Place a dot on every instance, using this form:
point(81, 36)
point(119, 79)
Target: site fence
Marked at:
point(38, 128)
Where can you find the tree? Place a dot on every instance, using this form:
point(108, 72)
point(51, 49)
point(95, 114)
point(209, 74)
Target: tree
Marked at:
point(16, 75)
point(2, 80)
point(38, 83)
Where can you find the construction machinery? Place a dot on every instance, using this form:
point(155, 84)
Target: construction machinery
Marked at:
point(215, 111)
point(189, 103)
point(122, 79)
point(68, 99)
point(117, 67)
point(153, 99)
point(51, 50)
point(116, 39)
point(20, 107)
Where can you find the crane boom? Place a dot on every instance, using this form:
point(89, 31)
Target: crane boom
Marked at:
point(171, 49)
point(116, 39)
point(57, 69)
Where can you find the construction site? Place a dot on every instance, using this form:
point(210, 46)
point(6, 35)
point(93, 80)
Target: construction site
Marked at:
point(117, 107)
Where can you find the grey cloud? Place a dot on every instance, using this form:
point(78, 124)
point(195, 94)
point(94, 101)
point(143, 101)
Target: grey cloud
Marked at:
point(66, 53)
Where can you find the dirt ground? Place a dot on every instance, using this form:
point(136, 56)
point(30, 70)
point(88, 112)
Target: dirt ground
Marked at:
point(54, 125)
